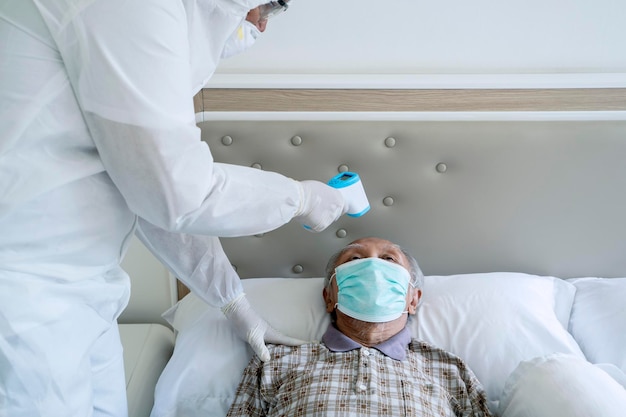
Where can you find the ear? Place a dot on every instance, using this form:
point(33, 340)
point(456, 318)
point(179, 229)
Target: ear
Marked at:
point(329, 299)
point(414, 301)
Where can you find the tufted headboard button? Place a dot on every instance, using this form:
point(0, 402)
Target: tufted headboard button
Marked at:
point(341, 233)
point(297, 269)
point(390, 142)
point(388, 201)
point(227, 140)
point(296, 141)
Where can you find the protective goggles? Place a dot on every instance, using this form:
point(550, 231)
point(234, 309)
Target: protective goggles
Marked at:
point(272, 8)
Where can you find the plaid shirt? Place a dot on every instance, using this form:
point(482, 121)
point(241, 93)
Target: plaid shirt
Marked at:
point(342, 378)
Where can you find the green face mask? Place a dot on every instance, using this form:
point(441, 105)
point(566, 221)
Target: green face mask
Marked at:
point(372, 289)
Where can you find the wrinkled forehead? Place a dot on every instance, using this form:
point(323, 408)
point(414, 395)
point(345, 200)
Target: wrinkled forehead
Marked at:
point(368, 248)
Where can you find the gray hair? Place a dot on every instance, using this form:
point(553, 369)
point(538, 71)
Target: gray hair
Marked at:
point(417, 277)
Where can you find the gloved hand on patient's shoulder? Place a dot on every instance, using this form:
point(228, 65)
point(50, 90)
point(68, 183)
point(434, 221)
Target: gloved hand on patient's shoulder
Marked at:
point(254, 329)
point(320, 205)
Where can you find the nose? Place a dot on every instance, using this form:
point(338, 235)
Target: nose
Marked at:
point(254, 17)
point(261, 25)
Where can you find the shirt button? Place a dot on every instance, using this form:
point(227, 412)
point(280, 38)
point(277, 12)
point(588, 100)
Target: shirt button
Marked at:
point(362, 387)
point(366, 352)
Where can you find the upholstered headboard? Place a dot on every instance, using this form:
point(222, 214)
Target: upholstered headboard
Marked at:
point(541, 192)
point(468, 180)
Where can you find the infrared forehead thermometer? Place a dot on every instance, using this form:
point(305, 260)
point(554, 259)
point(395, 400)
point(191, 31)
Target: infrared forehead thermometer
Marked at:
point(350, 185)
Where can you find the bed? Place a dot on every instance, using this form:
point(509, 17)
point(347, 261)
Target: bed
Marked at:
point(516, 217)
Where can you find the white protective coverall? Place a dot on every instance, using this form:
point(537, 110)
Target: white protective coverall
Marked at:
point(98, 141)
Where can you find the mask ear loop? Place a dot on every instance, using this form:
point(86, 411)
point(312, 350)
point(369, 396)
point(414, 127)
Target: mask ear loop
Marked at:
point(414, 286)
point(334, 275)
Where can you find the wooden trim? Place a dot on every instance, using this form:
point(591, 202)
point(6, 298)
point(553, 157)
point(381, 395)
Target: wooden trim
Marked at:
point(197, 101)
point(181, 289)
point(381, 100)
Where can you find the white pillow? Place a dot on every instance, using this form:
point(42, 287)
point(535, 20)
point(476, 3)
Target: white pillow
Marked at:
point(561, 385)
point(598, 320)
point(493, 321)
point(202, 376)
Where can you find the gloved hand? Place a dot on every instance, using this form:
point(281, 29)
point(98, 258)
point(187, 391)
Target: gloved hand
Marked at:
point(321, 205)
point(253, 329)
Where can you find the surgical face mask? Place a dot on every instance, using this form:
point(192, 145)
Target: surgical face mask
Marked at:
point(372, 289)
point(242, 39)
point(272, 8)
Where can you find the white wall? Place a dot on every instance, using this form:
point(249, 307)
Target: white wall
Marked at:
point(152, 289)
point(440, 37)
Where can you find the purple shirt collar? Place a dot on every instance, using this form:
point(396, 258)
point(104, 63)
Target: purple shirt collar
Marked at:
point(394, 347)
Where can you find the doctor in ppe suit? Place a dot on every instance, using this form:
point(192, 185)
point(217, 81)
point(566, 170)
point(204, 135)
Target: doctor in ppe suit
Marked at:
point(98, 141)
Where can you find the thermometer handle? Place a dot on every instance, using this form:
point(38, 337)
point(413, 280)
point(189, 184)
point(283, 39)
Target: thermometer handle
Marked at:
point(350, 185)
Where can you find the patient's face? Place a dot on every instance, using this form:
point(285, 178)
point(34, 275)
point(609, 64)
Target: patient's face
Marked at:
point(371, 247)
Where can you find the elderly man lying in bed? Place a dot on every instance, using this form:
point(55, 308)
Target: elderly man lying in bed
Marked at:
point(367, 363)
